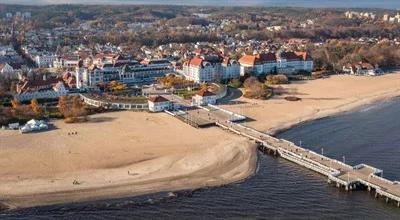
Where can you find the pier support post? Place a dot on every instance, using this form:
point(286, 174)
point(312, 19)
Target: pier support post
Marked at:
point(376, 195)
point(329, 181)
point(347, 187)
point(398, 204)
point(369, 189)
point(337, 185)
point(387, 199)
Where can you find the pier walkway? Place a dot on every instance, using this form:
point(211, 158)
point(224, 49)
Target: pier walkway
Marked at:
point(344, 175)
point(337, 172)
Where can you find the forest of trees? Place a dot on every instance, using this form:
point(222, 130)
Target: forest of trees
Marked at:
point(335, 54)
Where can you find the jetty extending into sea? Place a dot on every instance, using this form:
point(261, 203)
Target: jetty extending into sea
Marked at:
point(339, 173)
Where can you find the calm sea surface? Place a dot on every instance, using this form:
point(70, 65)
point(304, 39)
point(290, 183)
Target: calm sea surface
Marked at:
point(389, 4)
point(280, 189)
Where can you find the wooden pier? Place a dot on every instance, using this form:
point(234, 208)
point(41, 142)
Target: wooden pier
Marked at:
point(337, 172)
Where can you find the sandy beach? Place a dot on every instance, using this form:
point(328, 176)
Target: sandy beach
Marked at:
point(123, 154)
point(118, 154)
point(320, 98)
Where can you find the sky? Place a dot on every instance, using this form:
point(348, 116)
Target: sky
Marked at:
point(389, 4)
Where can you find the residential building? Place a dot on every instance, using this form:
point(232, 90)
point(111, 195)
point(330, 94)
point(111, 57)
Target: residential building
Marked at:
point(159, 103)
point(204, 97)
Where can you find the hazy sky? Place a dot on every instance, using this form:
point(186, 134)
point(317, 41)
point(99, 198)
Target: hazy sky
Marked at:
point(390, 4)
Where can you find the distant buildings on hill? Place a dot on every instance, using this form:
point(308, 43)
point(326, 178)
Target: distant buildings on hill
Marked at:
point(24, 15)
point(372, 16)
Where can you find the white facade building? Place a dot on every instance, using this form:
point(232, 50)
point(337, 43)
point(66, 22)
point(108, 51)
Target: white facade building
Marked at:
point(57, 91)
point(45, 61)
point(269, 63)
point(265, 63)
point(201, 70)
point(204, 97)
point(159, 104)
point(128, 73)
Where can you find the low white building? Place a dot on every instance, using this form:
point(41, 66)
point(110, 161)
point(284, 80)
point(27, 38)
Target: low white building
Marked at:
point(159, 104)
point(204, 97)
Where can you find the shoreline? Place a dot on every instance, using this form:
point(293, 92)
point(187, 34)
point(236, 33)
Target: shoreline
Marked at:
point(225, 163)
point(332, 112)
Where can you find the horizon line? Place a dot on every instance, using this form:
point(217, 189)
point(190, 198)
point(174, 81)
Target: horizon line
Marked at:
point(193, 5)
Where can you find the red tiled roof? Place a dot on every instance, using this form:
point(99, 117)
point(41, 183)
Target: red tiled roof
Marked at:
point(266, 57)
point(196, 61)
point(158, 99)
point(304, 55)
point(257, 59)
point(248, 59)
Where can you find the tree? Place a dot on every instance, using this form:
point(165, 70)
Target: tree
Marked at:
point(254, 89)
point(63, 108)
point(72, 110)
point(37, 110)
point(15, 103)
point(78, 108)
point(235, 83)
point(277, 79)
point(2, 90)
